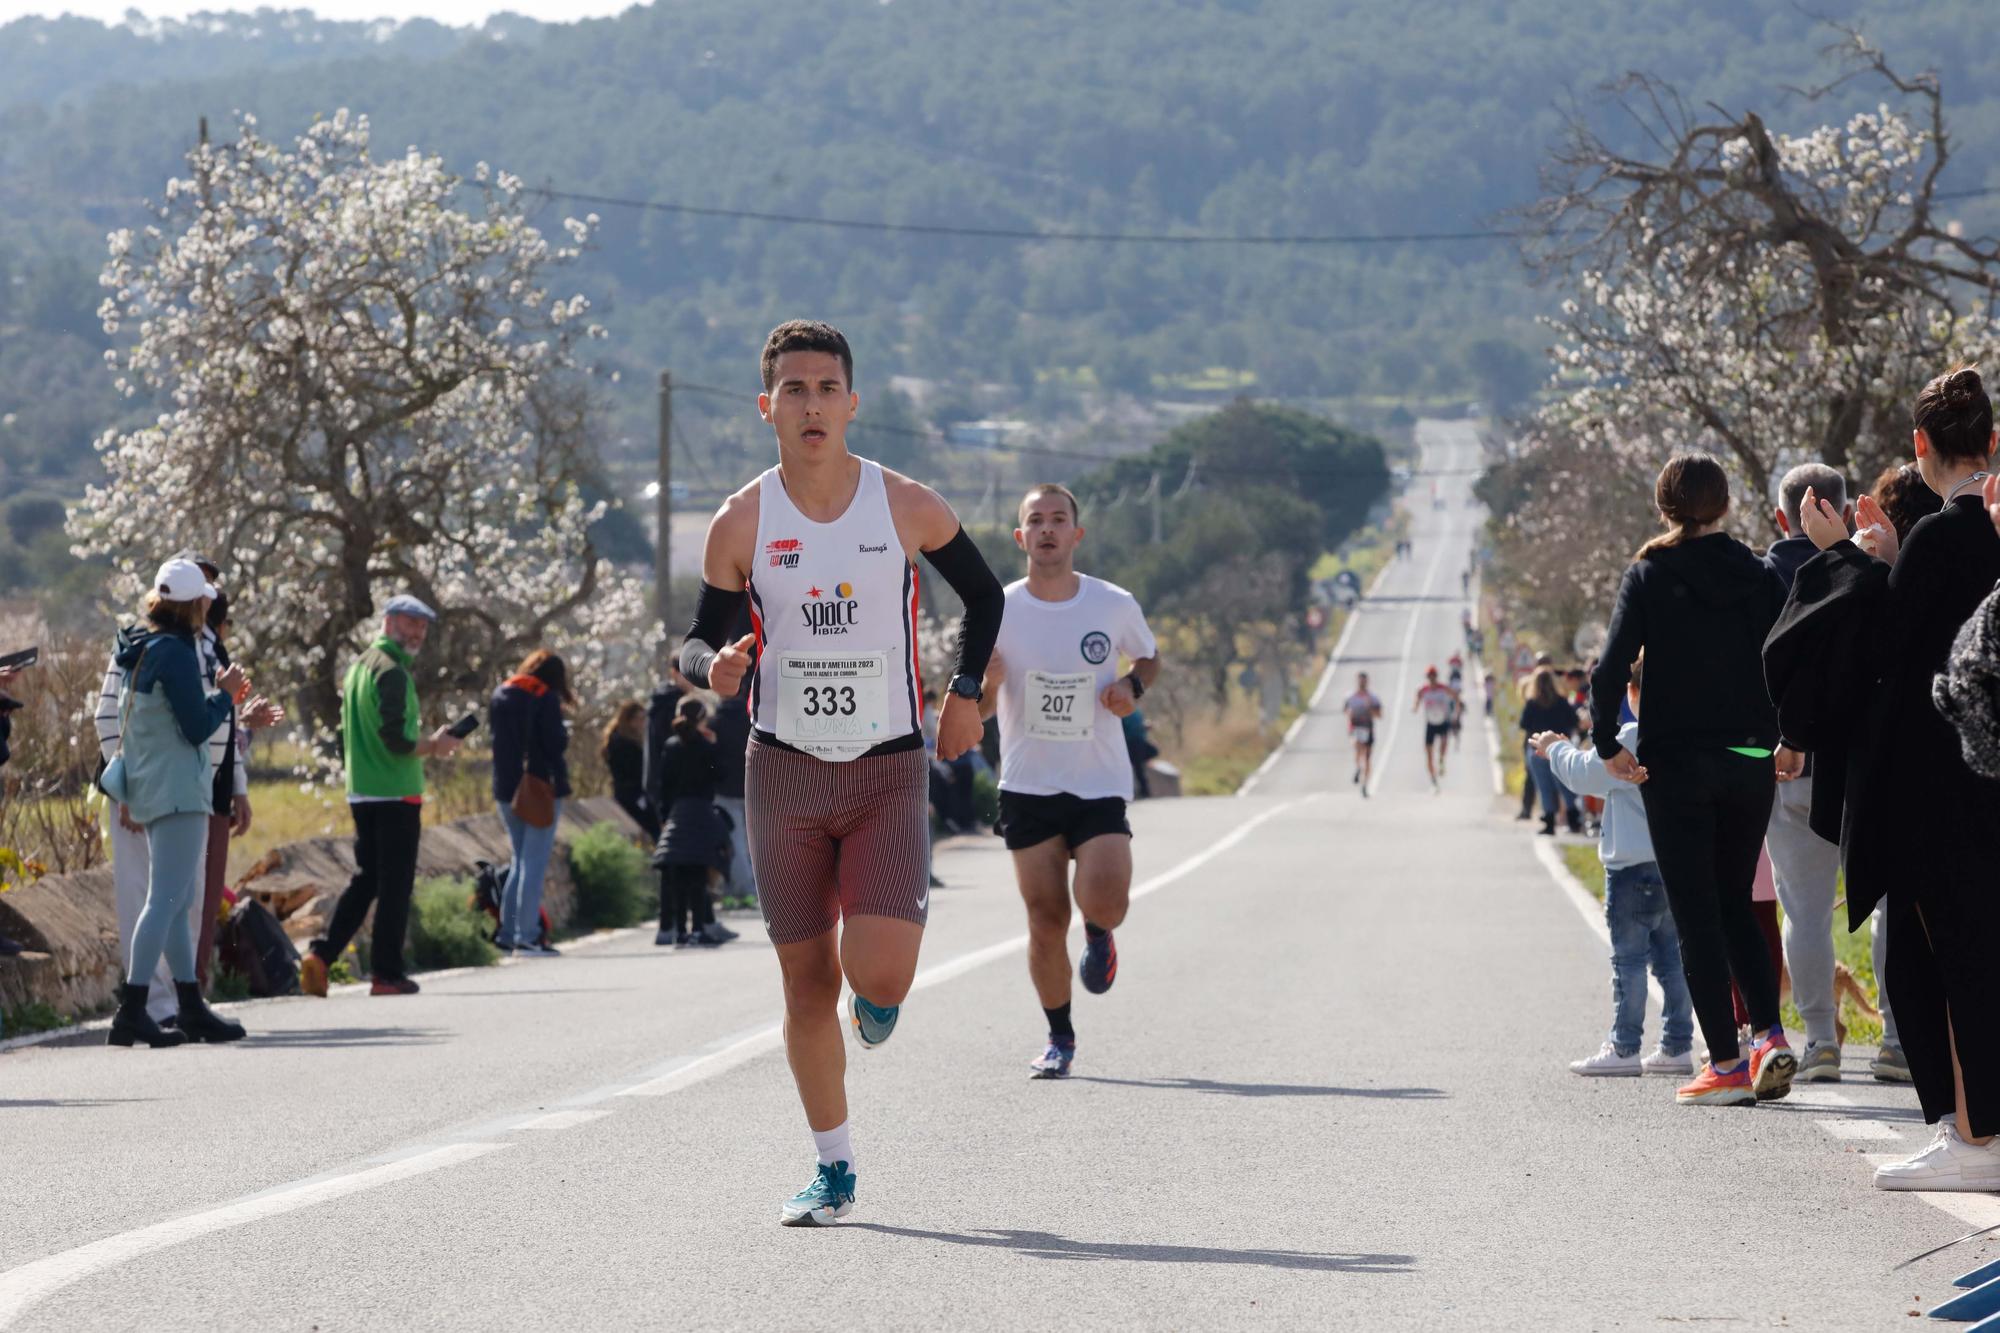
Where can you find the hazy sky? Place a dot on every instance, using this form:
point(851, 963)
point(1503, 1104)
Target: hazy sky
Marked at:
point(444, 11)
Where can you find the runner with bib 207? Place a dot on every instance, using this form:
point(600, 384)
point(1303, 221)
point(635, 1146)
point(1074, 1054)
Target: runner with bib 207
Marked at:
point(1065, 774)
point(836, 782)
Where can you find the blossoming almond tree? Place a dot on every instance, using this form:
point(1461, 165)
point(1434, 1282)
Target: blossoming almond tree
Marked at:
point(366, 387)
point(1779, 296)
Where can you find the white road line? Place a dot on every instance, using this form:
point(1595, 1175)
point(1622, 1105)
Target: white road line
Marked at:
point(562, 1119)
point(22, 1287)
point(1860, 1129)
point(1325, 682)
point(1388, 750)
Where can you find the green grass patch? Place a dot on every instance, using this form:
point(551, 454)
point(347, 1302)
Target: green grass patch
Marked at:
point(1219, 774)
point(445, 929)
point(35, 1016)
point(1582, 861)
point(615, 880)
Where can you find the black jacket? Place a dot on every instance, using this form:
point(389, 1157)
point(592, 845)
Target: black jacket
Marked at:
point(1701, 610)
point(694, 832)
point(526, 723)
point(1784, 556)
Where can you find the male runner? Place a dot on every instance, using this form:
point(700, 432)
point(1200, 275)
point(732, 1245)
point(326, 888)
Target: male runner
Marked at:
point(1363, 708)
point(835, 777)
point(1065, 774)
point(1436, 700)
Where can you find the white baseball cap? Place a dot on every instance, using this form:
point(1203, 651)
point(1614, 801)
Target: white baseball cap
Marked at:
point(182, 581)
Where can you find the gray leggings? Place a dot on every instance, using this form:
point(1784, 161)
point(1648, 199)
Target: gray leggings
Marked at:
point(179, 843)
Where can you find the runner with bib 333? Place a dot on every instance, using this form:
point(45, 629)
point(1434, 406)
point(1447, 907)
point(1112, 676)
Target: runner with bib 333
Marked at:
point(1065, 775)
point(836, 782)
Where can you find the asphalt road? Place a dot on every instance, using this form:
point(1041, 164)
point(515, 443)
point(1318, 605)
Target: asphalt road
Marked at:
point(1328, 1091)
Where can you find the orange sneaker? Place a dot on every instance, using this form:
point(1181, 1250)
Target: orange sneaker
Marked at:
point(1712, 1089)
point(312, 975)
point(1772, 1065)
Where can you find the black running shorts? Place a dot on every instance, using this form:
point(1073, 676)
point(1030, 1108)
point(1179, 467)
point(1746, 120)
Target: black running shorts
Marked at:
point(1435, 732)
point(1028, 821)
point(1365, 735)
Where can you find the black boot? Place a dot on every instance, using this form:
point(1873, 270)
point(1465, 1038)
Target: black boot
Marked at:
point(133, 1024)
point(200, 1022)
point(1549, 825)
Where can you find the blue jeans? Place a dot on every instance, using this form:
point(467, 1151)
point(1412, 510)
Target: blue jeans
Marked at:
point(521, 895)
point(1544, 777)
point(1642, 929)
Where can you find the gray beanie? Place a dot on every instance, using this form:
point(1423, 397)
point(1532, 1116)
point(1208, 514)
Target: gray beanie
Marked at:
point(1967, 691)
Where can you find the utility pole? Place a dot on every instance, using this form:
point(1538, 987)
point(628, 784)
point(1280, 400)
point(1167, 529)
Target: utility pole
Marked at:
point(1156, 509)
point(663, 509)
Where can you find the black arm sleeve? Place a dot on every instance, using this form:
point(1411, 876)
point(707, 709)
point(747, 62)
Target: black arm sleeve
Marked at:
point(966, 570)
point(715, 610)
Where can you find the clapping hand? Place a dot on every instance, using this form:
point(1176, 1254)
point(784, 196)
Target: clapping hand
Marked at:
point(1873, 532)
point(1821, 520)
point(1991, 490)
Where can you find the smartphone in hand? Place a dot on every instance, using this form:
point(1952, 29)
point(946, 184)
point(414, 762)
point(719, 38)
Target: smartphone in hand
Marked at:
point(27, 657)
point(464, 727)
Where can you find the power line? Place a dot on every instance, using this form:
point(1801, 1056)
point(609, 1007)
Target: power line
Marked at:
point(1070, 455)
point(1027, 234)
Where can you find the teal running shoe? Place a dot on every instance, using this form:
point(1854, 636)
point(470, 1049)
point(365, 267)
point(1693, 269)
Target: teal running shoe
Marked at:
point(830, 1196)
point(871, 1024)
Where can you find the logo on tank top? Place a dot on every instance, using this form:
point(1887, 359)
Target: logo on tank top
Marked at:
point(1096, 647)
point(785, 552)
point(835, 615)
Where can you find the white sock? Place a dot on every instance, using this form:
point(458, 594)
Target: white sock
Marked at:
point(834, 1145)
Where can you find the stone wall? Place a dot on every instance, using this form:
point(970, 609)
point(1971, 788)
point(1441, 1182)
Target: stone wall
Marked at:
point(70, 922)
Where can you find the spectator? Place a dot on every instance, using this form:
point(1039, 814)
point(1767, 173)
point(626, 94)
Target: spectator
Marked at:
point(731, 726)
point(1635, 911)
point(624, 753)
point(230, 815)
point(385, 794)
point(1545, 711)
point(1139, 748)
point(163, 777)
point(1916, 818)
point(9, 705)
point(1904, 499)
point(1805, 867)
point(661, 708)
point(530, 744)
point(1701, 603)
point(693, 840)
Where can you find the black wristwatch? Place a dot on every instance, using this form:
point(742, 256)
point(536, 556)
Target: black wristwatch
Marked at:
point(967, 687)
point(1138, 686)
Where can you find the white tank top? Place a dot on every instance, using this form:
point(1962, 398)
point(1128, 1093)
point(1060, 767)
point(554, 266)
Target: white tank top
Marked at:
point(833, 606)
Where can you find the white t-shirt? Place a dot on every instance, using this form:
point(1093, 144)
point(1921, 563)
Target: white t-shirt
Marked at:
point(1436, 700)
point(1055, 737)
point(1361, 708)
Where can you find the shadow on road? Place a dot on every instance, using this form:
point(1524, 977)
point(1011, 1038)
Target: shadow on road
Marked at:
point(1048, 1245)
point(344, 1037)
point(1210, 1085)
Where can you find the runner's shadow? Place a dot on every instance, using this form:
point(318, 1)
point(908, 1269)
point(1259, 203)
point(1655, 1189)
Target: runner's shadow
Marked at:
point(1210, 1085)
point(1048, 1245)
point(344, 1037)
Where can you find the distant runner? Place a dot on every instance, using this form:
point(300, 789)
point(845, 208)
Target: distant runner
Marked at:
point(1065, 775)
point(1437, 701)
point(836, 782)
point(1363, 710)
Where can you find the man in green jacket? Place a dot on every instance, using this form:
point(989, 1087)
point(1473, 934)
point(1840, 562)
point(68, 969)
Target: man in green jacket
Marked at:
point(385, 793)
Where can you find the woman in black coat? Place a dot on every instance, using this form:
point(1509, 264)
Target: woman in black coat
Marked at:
point(1916, 828)
point(694, 838)
point(625, 757)
point(1701, 603)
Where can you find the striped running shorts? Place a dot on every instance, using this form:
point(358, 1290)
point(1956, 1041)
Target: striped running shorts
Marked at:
point(830, 839)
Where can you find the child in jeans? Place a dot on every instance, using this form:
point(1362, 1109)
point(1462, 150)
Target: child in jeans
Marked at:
point(1635, 908)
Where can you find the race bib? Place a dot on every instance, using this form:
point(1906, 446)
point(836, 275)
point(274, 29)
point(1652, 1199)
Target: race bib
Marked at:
point(833, 705)
point(1061, 706)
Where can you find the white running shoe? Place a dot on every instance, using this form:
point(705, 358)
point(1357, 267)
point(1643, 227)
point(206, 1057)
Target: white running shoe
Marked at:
point(1661, 1061)
point(1607, 1063)
point(1949, 1163)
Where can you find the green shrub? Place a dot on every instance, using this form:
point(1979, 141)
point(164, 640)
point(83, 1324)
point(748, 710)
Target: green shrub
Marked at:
point(36, 1016)
point(445, 929)
point(229, 986)
point(614, 879)
point(986, 798)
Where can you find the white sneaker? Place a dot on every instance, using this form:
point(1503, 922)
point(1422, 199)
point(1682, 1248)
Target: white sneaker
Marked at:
point(1949, 1163)
point(1662, 1062)
point(1607, 1063)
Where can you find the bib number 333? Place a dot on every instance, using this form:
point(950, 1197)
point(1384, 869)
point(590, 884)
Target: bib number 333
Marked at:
point(833, 705)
